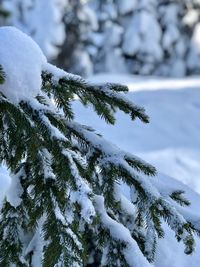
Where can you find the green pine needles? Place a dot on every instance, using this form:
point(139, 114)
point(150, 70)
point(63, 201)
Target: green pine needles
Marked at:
point(70, 210)
point(2, 75)
point(4, 13)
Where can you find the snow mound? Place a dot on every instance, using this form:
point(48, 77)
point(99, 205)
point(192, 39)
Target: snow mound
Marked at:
point(22, 61)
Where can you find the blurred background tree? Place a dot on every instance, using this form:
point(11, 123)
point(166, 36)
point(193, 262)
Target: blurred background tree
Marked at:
point(148, 37)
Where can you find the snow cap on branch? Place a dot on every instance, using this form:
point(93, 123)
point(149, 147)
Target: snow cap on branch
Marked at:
point(22, 61)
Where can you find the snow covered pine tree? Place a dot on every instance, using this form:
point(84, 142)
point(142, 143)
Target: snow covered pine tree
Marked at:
point(40, 19)
point(67, 179)
point(79, 21)
point(3, 15)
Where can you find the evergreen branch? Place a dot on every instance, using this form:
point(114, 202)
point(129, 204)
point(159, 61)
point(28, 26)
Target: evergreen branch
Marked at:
point(2, 75)
point(105, 98)
point(120, 234)
point(110, 159)
point(108, 151)
point(70, 179)
point(178, 197)
point(4, 13)
point(9, 234)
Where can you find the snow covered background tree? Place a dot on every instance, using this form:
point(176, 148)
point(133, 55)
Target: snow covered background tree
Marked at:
point(104, 47)
point(112, 35)
point(79, 21)
point(39, 18)
point(66, 180)
point(60, 27)
point(126, 28)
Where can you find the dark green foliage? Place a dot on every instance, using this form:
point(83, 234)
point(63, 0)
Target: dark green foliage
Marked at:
point(64, 169)
point(104, 99)
point(10, 245)
point(2, 75)
point(4, 13)
point(178, 197)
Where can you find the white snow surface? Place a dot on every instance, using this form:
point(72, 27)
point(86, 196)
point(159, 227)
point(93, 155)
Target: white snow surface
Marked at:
point(170, 142)
point(22, 61)
point(126, 6)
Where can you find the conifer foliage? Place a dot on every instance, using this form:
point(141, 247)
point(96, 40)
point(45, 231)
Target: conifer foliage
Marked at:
point(2, 75)
point(71, 207)
point(3, 12)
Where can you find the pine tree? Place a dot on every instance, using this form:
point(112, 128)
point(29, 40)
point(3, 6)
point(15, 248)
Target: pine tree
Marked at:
point(109, 57)
point(175, 38)
point(191, 21)
point(71, 207)
point(40, 19)
point(4, 14)
point(60, 27)
point(144, 52)
point(125, 36)
point(125, 27)
point(79, 21)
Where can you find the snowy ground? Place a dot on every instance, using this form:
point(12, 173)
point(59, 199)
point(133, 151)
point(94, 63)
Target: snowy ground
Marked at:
point(171, 142)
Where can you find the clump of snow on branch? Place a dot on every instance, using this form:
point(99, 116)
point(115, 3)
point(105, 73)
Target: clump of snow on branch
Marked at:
point(41, 19)
point(22, 61)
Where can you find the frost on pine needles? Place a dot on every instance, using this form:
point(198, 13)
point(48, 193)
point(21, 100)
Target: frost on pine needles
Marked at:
point(70, 209)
